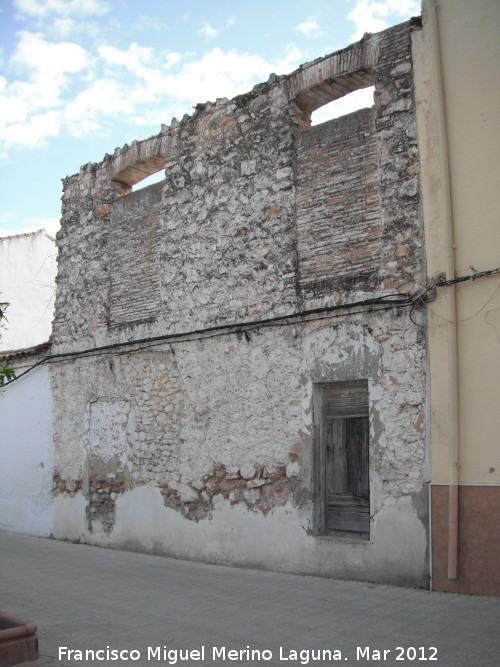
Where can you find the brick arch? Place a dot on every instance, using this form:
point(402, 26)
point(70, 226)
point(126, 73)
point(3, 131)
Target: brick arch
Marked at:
point(319, 82)
point(134, 163)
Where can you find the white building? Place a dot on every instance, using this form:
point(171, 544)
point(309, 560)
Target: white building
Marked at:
point(27, 283)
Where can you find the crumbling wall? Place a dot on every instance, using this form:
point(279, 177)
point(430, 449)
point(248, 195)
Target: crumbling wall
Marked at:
point(186, 427)
point(224, 246)
point(228, 217)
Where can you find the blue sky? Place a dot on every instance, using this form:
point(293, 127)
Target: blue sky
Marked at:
point(81, 77)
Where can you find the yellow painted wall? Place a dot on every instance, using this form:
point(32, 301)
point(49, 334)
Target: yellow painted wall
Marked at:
point(469, 45)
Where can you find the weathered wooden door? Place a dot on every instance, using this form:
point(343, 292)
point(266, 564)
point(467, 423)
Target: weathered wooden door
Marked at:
point(346, 435)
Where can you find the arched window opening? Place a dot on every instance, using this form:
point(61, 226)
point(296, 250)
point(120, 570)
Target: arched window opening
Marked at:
point(358, 99)
point(138, 174)
point(345, 93)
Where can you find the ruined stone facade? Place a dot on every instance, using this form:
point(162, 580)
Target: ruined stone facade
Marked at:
point(186, 359)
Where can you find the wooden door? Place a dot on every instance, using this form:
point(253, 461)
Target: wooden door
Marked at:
point(347, 483)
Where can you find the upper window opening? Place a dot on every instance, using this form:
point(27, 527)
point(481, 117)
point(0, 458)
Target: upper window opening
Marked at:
point(149, 180)
point(359, 99)
point(144, 171)
point(350, 91)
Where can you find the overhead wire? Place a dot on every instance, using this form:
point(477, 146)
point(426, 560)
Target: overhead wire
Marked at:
point(384, 302)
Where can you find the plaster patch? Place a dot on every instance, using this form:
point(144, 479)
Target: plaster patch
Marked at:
point(108, 428)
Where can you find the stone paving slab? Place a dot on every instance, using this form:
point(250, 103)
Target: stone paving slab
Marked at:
point(88, 598)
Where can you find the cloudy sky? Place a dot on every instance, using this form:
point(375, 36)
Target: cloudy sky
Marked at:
point(80, 77)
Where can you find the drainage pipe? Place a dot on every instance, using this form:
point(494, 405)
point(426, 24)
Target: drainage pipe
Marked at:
point(453, 451)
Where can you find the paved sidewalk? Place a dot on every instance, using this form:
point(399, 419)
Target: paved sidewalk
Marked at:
point(84, 597)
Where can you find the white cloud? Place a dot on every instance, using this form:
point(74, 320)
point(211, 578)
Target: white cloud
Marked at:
point(47, 64)
point(208, 31)
point(370, 15)
point(172, 59)
point(34, 51)
point(292, 58)
point(63, 88)
point(43, 8)
point(215, 74)
point(12, 105)
point(104, 98)
point(25, 118)
point(139, 61)
point(34, 130)
point(63, 27)
point(310, 27)
point(134, 58)
point(222, 74)
point(150, 23)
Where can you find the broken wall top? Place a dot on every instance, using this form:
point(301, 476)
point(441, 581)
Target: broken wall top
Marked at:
point(259, 215)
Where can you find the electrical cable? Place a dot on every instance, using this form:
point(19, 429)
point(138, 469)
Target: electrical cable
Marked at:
point(385, 302)
point(389, 301)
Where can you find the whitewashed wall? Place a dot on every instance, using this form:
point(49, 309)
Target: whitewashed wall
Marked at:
point(26, 454)
point(27, 282)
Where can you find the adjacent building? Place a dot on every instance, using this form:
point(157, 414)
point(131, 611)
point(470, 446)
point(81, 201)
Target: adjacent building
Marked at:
point(457, 58)
point(28, 267)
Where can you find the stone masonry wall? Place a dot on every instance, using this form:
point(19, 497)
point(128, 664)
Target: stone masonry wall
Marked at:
point(201, 444)
point(232, 237)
